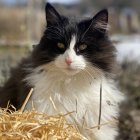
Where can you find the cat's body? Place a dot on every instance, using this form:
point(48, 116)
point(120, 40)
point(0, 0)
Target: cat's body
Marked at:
point(68, 69)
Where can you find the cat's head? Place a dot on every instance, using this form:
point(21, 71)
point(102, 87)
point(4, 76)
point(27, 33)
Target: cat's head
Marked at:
point(73, 46)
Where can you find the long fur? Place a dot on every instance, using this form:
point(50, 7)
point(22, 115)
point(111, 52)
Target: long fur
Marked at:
point(65, 91)
point(59, 87)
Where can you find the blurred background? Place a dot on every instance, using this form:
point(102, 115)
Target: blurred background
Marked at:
point(22, 23)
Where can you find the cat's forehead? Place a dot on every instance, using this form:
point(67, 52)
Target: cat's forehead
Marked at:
point(71, 24)
point(66, 31)
point(71, 27)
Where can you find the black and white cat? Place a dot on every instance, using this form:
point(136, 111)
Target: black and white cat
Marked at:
point(69, 65)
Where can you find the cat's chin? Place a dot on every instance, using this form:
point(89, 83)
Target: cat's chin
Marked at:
point(70, 71)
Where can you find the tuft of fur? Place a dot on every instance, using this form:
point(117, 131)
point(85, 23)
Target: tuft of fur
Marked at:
point(73, 87)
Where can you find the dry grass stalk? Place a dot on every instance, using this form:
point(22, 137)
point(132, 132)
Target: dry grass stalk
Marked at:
point(26, 100)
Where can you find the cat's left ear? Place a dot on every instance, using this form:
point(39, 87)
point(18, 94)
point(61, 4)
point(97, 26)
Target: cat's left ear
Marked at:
point(100, 21)
point(52, 16)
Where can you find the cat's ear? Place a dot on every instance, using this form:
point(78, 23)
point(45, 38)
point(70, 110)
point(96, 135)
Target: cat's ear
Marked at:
point(100, 20)
point(52, 16)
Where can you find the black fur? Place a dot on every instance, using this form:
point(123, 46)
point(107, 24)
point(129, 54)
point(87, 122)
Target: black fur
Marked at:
point(92, 32)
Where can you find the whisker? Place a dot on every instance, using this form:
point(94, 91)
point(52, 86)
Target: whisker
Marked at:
point(89, 74)
point(85, 76)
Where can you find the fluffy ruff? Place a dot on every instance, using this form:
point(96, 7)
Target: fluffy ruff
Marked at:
point(79, 93)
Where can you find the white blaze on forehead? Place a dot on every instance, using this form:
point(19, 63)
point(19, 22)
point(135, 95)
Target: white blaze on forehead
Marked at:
point(73, 42)
point(70, 53)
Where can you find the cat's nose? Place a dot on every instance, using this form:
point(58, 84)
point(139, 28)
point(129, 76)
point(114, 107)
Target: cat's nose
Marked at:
point(68, 61)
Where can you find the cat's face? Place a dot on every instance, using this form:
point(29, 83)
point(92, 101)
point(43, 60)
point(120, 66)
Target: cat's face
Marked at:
point(69, 61)
point(74, 46)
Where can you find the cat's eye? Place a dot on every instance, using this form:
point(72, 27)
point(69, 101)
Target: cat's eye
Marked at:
point(60, 45)
point(82, 47)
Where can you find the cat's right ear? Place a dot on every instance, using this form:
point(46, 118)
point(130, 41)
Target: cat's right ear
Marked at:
point(52, 16)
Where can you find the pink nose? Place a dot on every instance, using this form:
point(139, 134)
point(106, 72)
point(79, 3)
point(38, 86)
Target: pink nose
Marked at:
point(68, 61)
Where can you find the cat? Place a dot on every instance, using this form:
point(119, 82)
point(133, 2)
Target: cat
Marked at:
point(71, 66)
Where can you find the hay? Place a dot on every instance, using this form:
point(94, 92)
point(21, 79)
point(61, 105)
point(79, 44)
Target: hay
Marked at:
point(32, 125)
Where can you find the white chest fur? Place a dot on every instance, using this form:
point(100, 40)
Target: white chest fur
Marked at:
point(56, 92)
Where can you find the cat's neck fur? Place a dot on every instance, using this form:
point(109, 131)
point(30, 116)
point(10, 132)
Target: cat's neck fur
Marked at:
point(54, 92)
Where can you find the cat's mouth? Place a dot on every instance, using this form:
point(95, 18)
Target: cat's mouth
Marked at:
point(70, 70)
